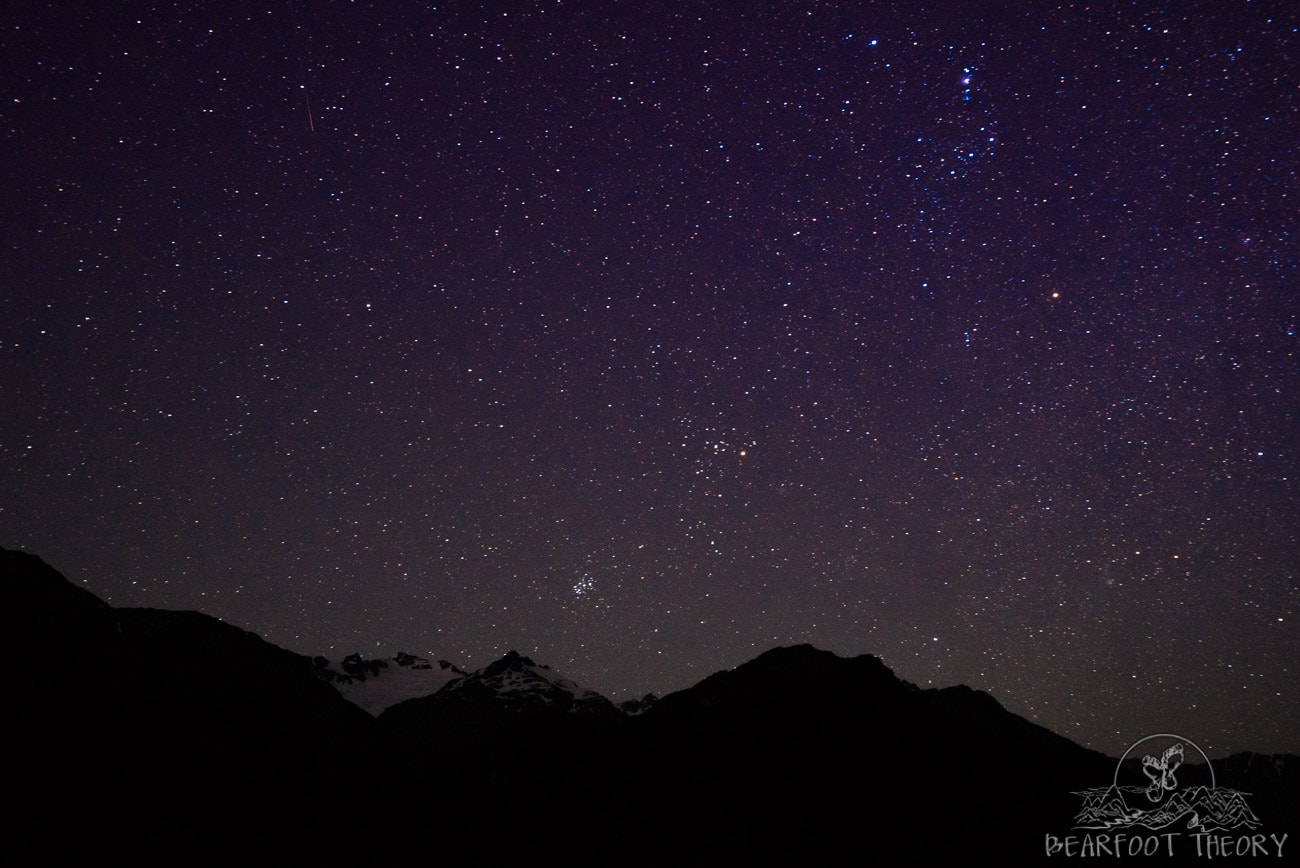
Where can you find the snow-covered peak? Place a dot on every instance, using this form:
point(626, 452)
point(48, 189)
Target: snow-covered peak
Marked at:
point(376, 685)
point(519, 682)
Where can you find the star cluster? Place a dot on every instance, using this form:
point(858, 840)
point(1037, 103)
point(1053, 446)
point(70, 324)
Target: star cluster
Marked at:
point(644, 337)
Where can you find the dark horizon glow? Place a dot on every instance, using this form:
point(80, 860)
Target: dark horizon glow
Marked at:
point(641, 338)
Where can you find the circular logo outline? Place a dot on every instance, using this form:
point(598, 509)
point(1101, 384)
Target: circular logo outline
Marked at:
point(1213, 783)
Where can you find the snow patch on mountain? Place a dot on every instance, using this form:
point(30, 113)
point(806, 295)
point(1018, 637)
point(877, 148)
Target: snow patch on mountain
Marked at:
point(519, 683)
point(376, 685)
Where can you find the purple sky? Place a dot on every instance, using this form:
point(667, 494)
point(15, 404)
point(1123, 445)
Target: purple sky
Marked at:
point(642, 337)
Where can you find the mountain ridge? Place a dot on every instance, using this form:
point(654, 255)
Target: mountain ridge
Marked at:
point(218, 729)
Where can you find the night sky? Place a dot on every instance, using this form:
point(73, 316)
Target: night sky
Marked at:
point(644, 336)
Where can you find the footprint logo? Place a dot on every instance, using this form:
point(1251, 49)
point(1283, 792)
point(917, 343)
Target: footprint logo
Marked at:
point(1161, 771)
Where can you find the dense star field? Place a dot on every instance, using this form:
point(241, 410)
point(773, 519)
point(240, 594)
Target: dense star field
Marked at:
point(642, 337)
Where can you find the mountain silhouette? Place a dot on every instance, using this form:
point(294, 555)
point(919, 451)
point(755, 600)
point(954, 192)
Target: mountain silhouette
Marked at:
point(198, 742)
point(172, 724)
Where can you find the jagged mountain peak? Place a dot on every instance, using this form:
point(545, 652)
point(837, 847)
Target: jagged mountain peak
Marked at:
point(633, 707)
point(520, 683)
point(513, 661)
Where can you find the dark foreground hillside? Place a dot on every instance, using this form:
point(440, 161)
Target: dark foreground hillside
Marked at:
point(164, 736)
point(173, 738)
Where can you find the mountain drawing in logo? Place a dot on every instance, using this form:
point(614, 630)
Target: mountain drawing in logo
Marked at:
point(1175, 795)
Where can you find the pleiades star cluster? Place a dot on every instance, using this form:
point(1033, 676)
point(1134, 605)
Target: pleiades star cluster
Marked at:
point(644, 336)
